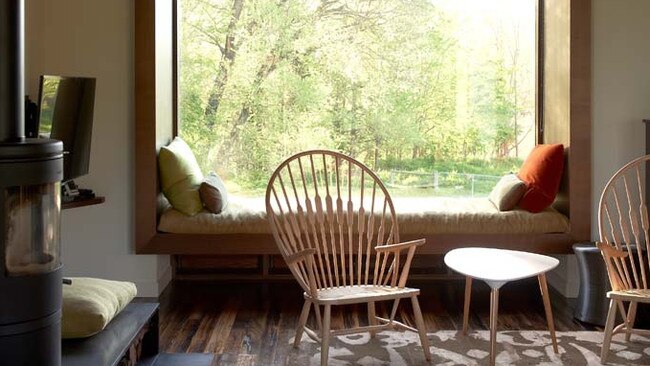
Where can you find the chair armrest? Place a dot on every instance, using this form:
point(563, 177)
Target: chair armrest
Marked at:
point(300, 256)
point(610, 251)
point(399, 246)
point(304, 272)
point(615, 264)
point(399, 279)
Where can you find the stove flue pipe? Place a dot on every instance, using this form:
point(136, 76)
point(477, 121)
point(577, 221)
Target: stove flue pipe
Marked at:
point(30, 172)
point(12, 70)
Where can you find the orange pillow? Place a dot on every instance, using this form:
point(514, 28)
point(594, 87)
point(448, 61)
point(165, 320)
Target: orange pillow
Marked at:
point(542, 173)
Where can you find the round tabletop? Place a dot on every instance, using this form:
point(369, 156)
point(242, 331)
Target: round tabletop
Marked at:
point(498, 265)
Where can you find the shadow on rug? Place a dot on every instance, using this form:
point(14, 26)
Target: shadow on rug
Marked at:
point(451, 348)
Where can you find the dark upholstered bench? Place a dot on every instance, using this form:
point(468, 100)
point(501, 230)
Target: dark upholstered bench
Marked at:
point(138, 322)
point(131, 336)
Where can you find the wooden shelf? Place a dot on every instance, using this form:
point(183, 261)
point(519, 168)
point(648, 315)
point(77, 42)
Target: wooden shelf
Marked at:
point(82, 202)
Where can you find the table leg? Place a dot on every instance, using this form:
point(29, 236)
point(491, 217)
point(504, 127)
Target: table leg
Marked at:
point(494, 311)
point(468, 295)
point(547, 308)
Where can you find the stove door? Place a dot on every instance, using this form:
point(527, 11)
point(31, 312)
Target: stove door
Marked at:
point(31, 230)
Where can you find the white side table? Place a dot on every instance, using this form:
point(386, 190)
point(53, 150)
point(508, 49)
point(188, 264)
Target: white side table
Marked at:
point(496, 267)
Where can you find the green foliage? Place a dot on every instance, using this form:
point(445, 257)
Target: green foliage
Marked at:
point(379, 80)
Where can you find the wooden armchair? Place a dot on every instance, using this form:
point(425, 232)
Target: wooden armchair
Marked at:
point(335, 225)
point(624, 235)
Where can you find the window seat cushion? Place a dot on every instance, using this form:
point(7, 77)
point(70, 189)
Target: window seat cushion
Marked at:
point(416, 216)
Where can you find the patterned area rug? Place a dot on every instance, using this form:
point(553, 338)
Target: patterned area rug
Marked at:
point(451, 348)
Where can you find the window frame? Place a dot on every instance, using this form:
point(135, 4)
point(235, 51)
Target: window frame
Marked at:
point(156, 32)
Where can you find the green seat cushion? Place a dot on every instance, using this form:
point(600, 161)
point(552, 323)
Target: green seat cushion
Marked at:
point(89, 304)
point(180, 177)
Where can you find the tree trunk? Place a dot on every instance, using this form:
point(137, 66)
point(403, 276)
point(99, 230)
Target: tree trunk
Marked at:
point(516, 132)
point(228, 53)
point(247, 109)
point(376, 157)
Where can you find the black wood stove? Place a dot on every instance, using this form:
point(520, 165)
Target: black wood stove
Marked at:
point(30, 205)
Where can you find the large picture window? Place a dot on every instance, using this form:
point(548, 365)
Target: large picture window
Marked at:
point(436, 96)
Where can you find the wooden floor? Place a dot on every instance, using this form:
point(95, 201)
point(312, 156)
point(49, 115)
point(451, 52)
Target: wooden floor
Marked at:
point(243, 323)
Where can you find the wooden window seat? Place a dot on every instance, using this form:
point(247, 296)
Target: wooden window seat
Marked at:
point(417, 216)
point(446, 222)
point(563, 116)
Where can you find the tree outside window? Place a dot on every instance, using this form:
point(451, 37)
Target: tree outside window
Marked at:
point(436, 96)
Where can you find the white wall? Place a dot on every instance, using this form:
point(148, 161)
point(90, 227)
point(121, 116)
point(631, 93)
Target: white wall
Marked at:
point(95, 38)
point(621, 88)
point(620, 101)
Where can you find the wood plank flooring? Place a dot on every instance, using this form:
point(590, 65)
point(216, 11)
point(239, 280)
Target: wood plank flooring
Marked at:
point(251, 323)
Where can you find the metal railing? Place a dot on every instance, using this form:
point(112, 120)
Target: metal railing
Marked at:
point(464, 182)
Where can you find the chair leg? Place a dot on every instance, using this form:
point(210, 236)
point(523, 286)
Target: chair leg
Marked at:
point(609, 328)
point(372, 317)
point(301, 323)
point(621, 309)
point(468, 296)
point(631, 317)
point(393, 310)
point(419, 323)
point(319, 319)
point(325, 335)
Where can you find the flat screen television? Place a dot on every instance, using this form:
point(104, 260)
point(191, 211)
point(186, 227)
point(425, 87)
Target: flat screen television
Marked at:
point(65, 113)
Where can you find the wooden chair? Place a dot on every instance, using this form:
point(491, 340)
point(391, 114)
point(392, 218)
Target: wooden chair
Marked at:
point(335, 225)
point(624, 235)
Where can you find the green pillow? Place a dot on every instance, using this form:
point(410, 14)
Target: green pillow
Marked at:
point(180, 177)
point(89, 304)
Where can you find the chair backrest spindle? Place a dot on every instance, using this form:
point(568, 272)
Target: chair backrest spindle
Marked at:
point(335, 205)
point(624, 228)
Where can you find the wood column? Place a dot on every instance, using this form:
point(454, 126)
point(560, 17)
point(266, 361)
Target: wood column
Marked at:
point(566, 87)
point(154, 110)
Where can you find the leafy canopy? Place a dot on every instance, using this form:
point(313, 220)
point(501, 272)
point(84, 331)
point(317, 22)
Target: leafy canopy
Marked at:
point(420, 86)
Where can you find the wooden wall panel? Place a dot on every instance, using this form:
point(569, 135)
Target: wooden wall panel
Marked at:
point(145, 122)
point(164, 73)
point(556, 89)
point(567, 104)
point(580, 136)
point(153, 108)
